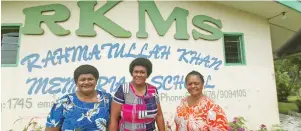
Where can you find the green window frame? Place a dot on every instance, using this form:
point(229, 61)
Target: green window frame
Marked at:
point(234, 49)
point(10, 45)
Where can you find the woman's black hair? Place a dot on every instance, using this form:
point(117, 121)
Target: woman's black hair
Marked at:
point(85, 69)
point(195, 73)
point(142, 62)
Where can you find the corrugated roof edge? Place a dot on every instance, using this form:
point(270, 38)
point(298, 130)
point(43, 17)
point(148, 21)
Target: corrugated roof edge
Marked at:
point(295, 5)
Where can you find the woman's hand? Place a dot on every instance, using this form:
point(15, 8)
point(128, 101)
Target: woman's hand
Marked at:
point(52, 129)
point(115, 114)
point(160, 119)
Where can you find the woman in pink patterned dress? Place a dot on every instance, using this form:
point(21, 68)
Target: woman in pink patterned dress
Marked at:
point(136, 105)
point(198, 112)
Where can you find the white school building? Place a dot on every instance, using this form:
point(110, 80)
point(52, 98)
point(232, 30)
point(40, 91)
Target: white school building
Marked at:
point(232, 44)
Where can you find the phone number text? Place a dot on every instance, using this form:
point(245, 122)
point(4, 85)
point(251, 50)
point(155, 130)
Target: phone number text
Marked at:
point(226, 94)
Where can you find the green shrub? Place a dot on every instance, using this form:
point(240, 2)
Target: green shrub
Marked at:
point(298, 103)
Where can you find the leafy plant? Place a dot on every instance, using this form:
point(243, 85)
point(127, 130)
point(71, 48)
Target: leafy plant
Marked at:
point(277, 128)
point(288, 76)
point(34, 126)
point(263, 128)
point(168, 126)
point(298, 103)
point(238, 124)
point(31, 126)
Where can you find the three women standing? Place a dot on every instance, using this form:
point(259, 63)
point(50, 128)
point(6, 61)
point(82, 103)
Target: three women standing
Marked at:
point(134, 107)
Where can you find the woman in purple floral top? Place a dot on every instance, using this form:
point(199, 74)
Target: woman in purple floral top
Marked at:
point(136, 105)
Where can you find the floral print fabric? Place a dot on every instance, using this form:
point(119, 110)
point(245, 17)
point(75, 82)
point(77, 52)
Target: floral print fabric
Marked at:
point(204, 116)
point(69, 113)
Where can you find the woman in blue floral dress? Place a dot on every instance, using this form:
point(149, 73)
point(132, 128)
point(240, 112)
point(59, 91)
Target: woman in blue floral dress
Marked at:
point(85, 110)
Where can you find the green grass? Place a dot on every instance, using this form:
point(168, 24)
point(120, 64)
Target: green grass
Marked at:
point(293, 98)
point(284, 107)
